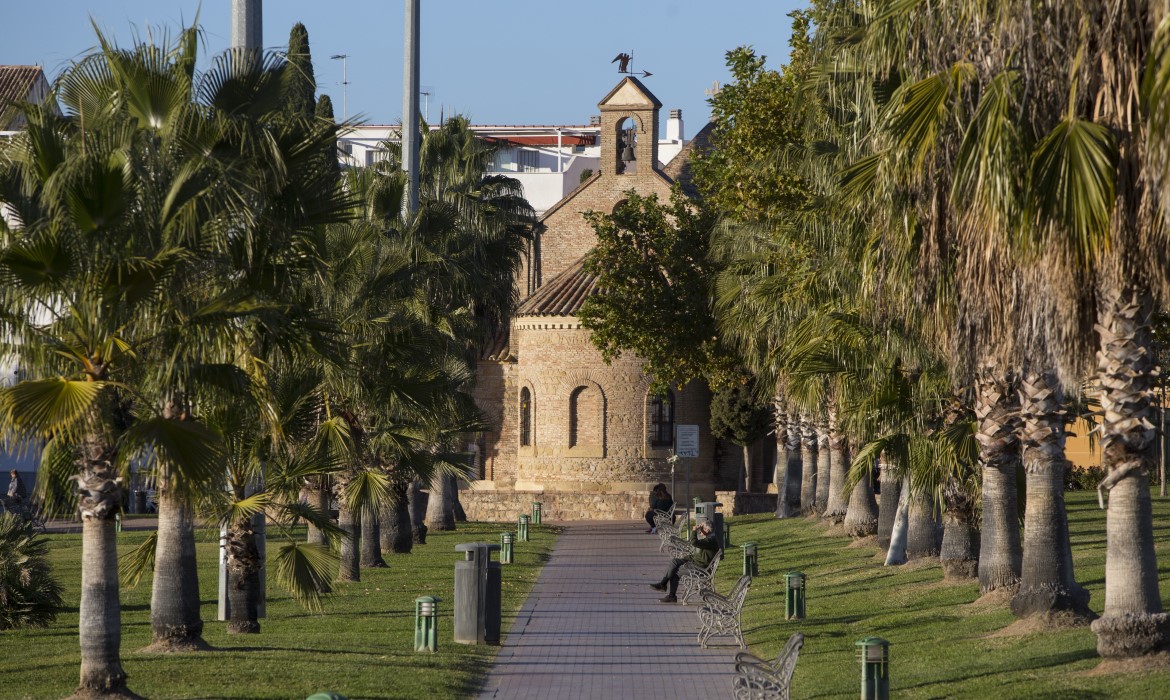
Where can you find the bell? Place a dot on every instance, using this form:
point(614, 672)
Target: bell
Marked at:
point(628, 154)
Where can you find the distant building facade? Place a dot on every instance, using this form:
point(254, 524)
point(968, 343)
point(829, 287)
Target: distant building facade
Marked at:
point(586, 438)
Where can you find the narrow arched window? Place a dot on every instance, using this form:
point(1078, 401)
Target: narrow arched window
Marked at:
point(586, 417)
point(525, 417)
point(662, 420)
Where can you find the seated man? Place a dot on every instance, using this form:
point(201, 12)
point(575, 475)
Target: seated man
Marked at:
point(706, 547)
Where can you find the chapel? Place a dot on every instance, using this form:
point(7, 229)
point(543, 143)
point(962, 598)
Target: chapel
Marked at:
point(586, 439)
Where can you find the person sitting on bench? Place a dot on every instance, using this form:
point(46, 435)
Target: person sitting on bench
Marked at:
point(706, 548)
point(660, 500)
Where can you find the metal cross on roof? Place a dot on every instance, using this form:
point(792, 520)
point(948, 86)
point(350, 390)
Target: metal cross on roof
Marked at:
point(713, 90)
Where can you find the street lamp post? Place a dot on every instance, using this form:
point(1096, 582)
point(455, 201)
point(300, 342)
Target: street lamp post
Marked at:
point(344, 83)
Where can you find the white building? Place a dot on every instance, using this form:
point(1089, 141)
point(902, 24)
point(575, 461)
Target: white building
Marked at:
point(548, 160)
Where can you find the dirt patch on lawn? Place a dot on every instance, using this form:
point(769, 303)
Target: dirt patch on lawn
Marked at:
point(1142, 664)
point(1042, 623)
point(867, 541)
point(835, 531)
point(999, 598)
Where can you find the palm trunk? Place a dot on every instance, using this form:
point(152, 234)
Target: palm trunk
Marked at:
point(900, 529)
point(861, 518)
point(783, 462)
point(888, 511)
point(824, 467)
point(836, 505)
point(397, 535)
point(745, 471)
point(440, 514)
point(350, 522)
point(960, 544)
point(808, 462)
point(792, 446)
point(417, 508)
point(100, 623)
point(922, 537)
point(319, 500)
point(457, 505)
point(243, 571)
point(997, 410)
point(1133, 623)
point(174, 602)
point(1047, 584)
point(371, 556)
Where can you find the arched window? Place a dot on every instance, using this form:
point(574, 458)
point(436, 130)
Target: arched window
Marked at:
point(662, 420)
point(627, 146)
point(586, 417)
point(525, 417)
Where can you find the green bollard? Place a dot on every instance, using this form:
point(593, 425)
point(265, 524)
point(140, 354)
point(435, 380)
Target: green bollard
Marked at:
point(751, 559)
point(794, 595)
point(536, 506)
point(874, 655)
point(522, 528)
point(426, 635)
point(506, 547)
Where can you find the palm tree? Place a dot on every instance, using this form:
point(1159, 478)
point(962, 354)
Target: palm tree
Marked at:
point(82, 289)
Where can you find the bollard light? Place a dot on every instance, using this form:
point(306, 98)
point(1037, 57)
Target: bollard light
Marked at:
point(751, 559)
point(522, 528)
point(506, 547)
point(426, 637)
point(536, 508)
point(874, 655)
point(794, 595)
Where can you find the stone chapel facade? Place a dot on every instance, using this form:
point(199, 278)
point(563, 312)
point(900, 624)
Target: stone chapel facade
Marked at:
point(586, 439)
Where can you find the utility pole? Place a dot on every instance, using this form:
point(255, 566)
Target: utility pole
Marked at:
point(344, 83)
point(410, 106)
point(247, 25)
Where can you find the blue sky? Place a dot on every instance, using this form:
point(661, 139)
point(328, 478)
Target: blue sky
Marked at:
point(500, 61)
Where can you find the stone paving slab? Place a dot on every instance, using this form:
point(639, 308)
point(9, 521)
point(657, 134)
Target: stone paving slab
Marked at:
point(592, 627)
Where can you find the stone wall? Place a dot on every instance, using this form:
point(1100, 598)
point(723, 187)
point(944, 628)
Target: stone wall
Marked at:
point(557, 360)
point(746, 503)
point(495, 394)
point(505, 506)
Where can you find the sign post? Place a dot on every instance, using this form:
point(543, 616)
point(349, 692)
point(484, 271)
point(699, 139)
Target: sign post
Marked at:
point(686, 445)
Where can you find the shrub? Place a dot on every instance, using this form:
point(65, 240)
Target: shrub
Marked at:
point(29, 595)
point(1082, 478)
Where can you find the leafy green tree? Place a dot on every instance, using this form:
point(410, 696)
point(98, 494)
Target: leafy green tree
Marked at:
point(653, 275)
point(300, 85)
point(738, 415)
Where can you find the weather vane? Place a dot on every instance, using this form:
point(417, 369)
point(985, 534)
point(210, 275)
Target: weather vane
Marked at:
point(623, 60)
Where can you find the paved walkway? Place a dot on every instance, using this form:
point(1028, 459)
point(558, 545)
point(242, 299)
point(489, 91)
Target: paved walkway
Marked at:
point(592, 628)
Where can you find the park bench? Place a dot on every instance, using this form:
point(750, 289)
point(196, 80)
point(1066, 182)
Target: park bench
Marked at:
point(694, 580)
point(677, 547)
point(720, 615)
point(757, 679)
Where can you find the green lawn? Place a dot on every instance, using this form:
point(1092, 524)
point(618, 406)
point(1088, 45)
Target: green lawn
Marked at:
point(361, 646)
point(942, 643)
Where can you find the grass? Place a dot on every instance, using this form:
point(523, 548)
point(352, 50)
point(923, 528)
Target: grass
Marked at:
point(362, 646)
point(942, 642)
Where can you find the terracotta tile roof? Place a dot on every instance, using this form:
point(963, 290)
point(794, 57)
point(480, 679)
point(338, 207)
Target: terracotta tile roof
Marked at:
point(679, 168)
point(15, 84)
point(498, 348)
point(563, 295)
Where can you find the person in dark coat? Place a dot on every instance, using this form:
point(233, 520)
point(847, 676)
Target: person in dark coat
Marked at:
point(16, 492)
point(659, 500)
point(706, 548)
